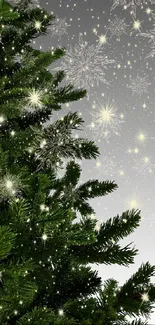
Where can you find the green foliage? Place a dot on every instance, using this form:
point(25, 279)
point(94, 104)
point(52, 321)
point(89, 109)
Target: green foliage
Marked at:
point(7, 14)
point(44, 250)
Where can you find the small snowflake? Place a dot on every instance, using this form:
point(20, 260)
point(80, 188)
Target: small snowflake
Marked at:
point(139, 85)
point(151, 36)
point(117, 27)
point(22, 3)
point(131, 4)
point(59, 28)
point(106, 166)
point(143, 166)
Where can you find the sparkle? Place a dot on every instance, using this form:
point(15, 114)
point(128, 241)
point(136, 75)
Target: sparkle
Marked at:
point(148, 11)
point(44, 237)
point(133, 204)
point(12, 133)
point(42, 207)
point(145, 297)
point(61, 312)
point(2, 119)
point(38, 25)
point(106, 119)
point(136, 150)
point(43, 143)
point(141, 137)
point(102, 39)
point(137, 25)
point(9, 184)
point(34, 98)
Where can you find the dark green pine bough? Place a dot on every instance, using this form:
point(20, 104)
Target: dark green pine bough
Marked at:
point(44, 253)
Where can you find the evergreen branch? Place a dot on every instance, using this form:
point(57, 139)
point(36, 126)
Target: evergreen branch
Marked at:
point(27, 16)
point(59, 143)
point(112, 255)
point(94, 188)
point(72, 174)
point(119, 227)
point(42, 60)
point(140, 277)
point(37, 314)
point(66, 94)
point(7, 240)
point(58, 77)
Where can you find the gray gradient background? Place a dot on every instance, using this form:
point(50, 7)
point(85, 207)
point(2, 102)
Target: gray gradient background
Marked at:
point(83, 16)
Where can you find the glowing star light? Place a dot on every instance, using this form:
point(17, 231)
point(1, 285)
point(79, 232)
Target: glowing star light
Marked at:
point(2, 119)
point(44, 237)
point(102, 39)
point(34, 98)
point(145, 297)
point(106, 119)
point(141, 137)
point(38, 25)
point(61, 312)
point(9, 184)
point(137, 25)
point(133, 204)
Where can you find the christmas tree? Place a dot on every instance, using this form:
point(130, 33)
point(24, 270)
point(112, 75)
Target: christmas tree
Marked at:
point(44, 250)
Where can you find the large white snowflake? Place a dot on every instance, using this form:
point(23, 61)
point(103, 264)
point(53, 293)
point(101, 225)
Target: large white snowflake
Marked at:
point(59, 27)
point(151, 36)
point(85, 64)
point(131, 4)
point(30, 3)
point(106, 120)
point(139, 85)
point(117, 27)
